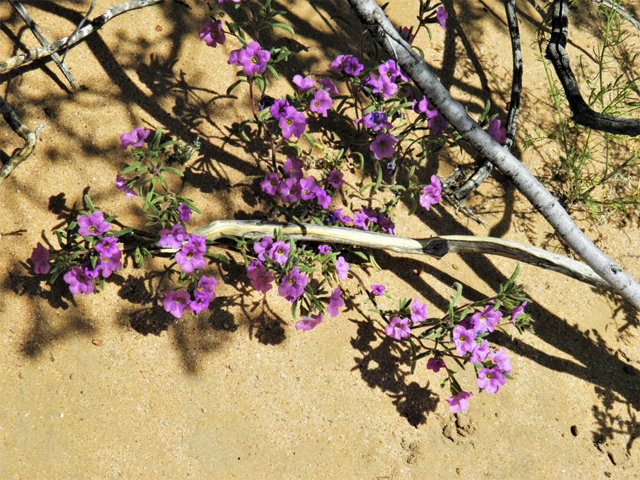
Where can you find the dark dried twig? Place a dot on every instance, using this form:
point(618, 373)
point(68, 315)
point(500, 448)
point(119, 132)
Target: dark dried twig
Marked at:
point(371, 15)
point(582, 113)
point(482, 173)
point(27, 58)
point(43, 41)
point(75, 32)
point(30, 139)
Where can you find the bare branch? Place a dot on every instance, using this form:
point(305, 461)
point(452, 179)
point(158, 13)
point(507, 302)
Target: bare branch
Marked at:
point(27, 58)
point(30, 139)
point(435, 246)
point(582, 113)
point(43, 41)
point(383, 31)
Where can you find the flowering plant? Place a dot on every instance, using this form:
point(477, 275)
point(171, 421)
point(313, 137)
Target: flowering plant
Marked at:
point(392, 130)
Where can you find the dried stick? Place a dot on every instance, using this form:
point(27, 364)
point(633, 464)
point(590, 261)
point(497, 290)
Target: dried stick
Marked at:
point(435, 246)
point(27, 58)
point(30, 139)
point(43, 41)
point(73, 35)
point(383, 31)
point(482, 173)
point(620, 10)
point(582, 113)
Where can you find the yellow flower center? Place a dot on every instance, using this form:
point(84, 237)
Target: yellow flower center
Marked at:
point(254, 60)
point(92, 229)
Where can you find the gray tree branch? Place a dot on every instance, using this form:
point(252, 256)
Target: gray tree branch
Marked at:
point(383, 31)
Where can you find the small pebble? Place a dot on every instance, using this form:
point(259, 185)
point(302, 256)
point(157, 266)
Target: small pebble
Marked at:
point(97, 342)
point(574, 430)
point(158, 28)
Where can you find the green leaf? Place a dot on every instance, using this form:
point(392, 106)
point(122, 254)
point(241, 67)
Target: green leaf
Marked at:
point(87, 200)
point(153, 145)
point(234, 85)
point(131, 168)
point(122, 232)
point(174, 170)
point(284, 26)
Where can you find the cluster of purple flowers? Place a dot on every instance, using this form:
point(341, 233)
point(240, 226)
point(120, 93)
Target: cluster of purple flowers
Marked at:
point(298, 188)
point(193, 249)
point(291, 121)
point(211, 33)
point(176, 302)
point(399, 328)
point(385, 84)
point(81, 278)
point(366, 217)
point(496, 364)
point(431, 194)
point(134, 138)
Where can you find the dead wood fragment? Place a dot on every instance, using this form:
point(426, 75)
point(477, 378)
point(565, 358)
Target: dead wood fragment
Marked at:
point(43, 52)
point(30, 139)
point(43, 41)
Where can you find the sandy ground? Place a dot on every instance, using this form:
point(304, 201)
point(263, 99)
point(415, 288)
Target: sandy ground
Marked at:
point(109, 386)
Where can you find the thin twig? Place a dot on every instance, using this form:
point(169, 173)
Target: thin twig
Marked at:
point(482, 173)
point(582, 113)
point(27, 58)
point(435, 246)
point(30, 139)
point(73, 35)
point(43, 41)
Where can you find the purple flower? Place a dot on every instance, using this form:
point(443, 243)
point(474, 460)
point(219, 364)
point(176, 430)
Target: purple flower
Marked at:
point(372, 215)
point(303, 84)
point(384, 87)
point(40, 259)
point(253, 59)
point(324, 249)
point(495, 131)
point(79, 281)
point(335, 302)
point(418, 311)
point(279, 252)
point(386, 225)
point(424, 106)
point(134, 138)
point(292, 285)
point(289, 190)
point(92, 225)
point(375, 120)
point(107, 265)
point(431, 194)
point(501, 360)
point(233, 58)
point(211, 33)
point(491, 379)
point(121, 184)
point(270, 183)
point(442, 16)
point(310, 322)
point(261, 279)
point(352, 66)
point(486, 320)
point(480, 352)
point(437, 124)
point(383, 146)
point(359, 220)
point(293, 167)
point(205, 289)
point(405, 33)
point(342, 267)
point(435, 364)
point(328, 85)
point(263, 246)
point(173, 238)
point(337, 213)
point(398, 329)
point(338, 64)
point(292, 123)
point(321, 103)
point(459, 402)
point(335, 178)
point(377, 290)
point(184, 212)
point(390, 70)
point(199, 304)
point(277, 110)
point(190, 258)
point(324, 200)
point(515, 313)
point(464, 340)
point(175, 302)
point(308, 188)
